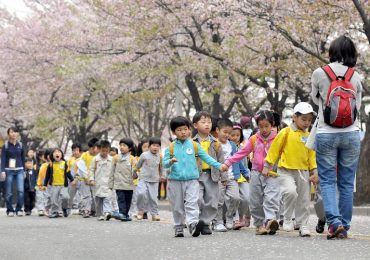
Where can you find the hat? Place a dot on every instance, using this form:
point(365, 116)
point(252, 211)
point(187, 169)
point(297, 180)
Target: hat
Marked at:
point(304, 108)
point(245, 120)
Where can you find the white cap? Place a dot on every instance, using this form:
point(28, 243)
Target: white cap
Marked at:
point(304, 108)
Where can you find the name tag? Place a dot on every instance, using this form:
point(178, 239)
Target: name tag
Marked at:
point(189, 151)
point(12, 163)
point(61, 166)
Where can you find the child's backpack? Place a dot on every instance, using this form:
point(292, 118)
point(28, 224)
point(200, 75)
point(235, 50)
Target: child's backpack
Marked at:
point(340, 106)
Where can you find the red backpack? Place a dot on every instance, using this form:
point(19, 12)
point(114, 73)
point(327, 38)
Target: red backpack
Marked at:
point(340, 106)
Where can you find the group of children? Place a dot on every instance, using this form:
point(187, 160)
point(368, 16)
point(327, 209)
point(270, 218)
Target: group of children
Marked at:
point(210, 186)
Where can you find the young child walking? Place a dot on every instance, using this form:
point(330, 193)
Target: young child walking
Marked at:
point(209, 177)
point(121, 178)
point(229, 190)
point(56, 178)
point(42, 194)
point(264, 190)
point(101, 167)
point(183, 186)
point(295, 164)
point(150, 167)
point(29, 186)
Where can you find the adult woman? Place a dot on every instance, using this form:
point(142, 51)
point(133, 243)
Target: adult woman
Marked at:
point(12, 167)
point(337, 148)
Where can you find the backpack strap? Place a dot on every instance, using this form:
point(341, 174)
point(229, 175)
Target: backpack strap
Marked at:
point(329, 72)
point(196, 150)
point(349, 73)
point(171, 148)
point(217, 146)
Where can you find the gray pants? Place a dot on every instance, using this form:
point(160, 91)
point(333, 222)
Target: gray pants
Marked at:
point(114, 201)
point(147, 191)
point(86, 196)
point(183, 198)
point(243, 209)
point(102, 205)
point(42, 198)
point(74, 197)
point(295, 191)
point(59, 197)
point(229, 195)
point(209, 193)
point(264, 198)
point(318, 204)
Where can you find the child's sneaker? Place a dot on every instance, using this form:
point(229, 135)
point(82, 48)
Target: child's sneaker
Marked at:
point(261, 230)
point(229, 224)
point(219, 228)
point(19, 213)
point(60, 213)
point(41, 213)
point(238, 224)
point(145, 215)
point(247, 221)
point(206, 230)
point(101, 218)
point(179, 232)
point(65, 213)
point(335, 231)
point(11, 214)
point(320, 227)
point(195, 228)
point(54, 215)
point(304, 231)
point(28, 213)
point(272, 226)
point(156, 218)
point(288, 225)
point(107, 216)
point(86, 214)
point(139, 215)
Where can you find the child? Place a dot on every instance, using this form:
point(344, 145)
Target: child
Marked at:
point(101, 167)
point(229, 190)
point(74, 200)
point(29, 186)
point(295, 164)
point(57, 176)
point(113, 151)
point(183, 186)
point(209, 177)
point(121, 177)
point(151, 171)
point(42, 195)
point(244, 216)
point(264, 190)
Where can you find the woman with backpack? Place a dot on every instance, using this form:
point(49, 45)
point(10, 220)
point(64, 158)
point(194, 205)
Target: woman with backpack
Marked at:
point(336, 89)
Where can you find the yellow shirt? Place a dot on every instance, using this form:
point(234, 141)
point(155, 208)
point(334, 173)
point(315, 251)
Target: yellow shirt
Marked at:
point(87, 158)
point(42, 174)
point(71, 162)
point(295, 155)
point(58, 173)
point(205, 144)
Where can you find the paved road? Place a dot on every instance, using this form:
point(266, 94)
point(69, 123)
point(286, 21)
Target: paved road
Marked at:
point(76, 238)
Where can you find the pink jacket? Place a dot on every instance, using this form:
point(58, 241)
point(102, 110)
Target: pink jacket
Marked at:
point(260, 151)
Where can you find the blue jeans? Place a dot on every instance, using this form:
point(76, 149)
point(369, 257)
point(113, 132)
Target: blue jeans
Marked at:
point(18, 175)
point(337, 156)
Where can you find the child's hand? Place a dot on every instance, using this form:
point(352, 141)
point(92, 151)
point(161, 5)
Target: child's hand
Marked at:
point(224, 168)
point(265, 171)
point(74, 183)
point(92, 183)
point(173, 160)
point(2, 176)
point(314, 179)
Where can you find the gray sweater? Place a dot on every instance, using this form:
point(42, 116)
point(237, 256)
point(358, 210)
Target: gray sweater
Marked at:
point(149, 166)
point(321, 83)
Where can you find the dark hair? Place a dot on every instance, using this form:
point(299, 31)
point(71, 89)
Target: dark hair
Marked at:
point(47, 153)
point(178, 122)
point(342, 49)
point(140, 146)
point(93, 142)
point(224, 122)
point(27, 159)
point(154, 140)
point(238, 127)
point(265, 115)
point(39, 154)
point(12, 128)
point(277, 119)
point(52, 154)
point(198, 115)
point(128, 141)
point(114, 149)
point(214, 123)
point(77, 145)
point(104, 144)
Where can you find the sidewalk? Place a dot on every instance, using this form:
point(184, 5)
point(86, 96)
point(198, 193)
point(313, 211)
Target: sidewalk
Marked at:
point(357, 211)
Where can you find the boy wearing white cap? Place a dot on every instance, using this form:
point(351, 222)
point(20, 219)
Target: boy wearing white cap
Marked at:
point(296, 163)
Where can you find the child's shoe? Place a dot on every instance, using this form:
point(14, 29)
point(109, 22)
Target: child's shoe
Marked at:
point(335, 231)
point(179, 232)
point(206, 230)
point(229, 224)
point(272, 226)
point(288, 225)
point(28, 213)
point(107, 216)
point(247, 221)
point(41, 213)
point(320, 227)
point(10, 214)
point(219, 228)
point(19, 213)
point(195, 228)
point(304, 231)
point(54, 215)
point(101, 218)
point(156, 218)
point(115, 215)
point(65, 213)
point(60, 213)
point(238, 225)
point(261, 231)
point(139, 215)
point(86, 214)
point(145, 215)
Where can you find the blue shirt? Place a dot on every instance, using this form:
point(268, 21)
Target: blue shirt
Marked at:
point(186, 166)
point(13, 152)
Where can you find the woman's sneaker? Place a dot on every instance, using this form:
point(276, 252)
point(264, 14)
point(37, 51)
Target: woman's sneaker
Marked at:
point(335, 231)
point(320, 227)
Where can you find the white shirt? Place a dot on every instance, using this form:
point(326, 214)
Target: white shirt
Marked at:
point(227, 149)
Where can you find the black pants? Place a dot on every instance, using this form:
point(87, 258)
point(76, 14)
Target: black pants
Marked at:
point(29, 201)
point(124, 198)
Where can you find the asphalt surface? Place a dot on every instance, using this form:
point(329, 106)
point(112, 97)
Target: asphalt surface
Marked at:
point(34, 237)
